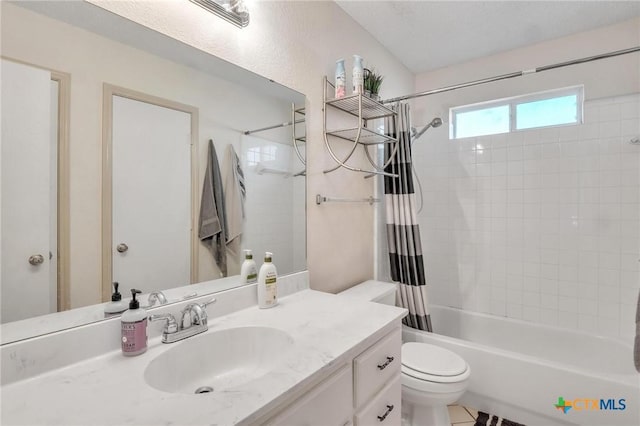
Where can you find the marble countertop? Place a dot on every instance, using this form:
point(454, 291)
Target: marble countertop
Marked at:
point(110, 389)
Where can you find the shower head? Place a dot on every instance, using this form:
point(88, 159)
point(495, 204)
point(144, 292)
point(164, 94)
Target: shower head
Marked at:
point(436, 122)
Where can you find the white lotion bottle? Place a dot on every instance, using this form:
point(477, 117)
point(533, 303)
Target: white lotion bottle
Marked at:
point(134, 328)
point(248, 270)
point(267, 283)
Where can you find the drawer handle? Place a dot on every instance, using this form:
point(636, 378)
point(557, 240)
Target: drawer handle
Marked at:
point(384, 416)
point(386, 363)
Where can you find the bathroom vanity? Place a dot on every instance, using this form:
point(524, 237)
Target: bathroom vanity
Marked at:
point(316, 358)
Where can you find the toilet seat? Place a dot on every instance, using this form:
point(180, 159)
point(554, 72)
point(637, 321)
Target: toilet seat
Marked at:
point(423, 361)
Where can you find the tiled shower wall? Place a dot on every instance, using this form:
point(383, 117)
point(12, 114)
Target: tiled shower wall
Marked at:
point(540, 225)
point(274, 205)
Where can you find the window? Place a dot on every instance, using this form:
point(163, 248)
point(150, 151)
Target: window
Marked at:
point(552, 108)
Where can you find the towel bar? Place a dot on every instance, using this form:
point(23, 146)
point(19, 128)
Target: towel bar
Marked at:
point(321, 199)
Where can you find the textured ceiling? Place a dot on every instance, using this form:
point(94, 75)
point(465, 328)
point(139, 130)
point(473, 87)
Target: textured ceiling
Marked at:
point(426, 35)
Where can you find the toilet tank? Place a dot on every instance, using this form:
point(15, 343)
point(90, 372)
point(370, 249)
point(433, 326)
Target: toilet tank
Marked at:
point(373, 291)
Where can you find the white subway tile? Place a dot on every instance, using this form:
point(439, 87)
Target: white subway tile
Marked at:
point(629, 243)
point(588, 306)
point(608, 310)
point(568, 133)
point(630, 262)
point(590, 112)
point(499, 155)
point(548, 287)
point(567, 273)
point(588, 131)
point(531, 313)
point(609, 146)
point(498, 308)
point(609, 326)
point(514, 311)
point(630, 127)
point(610, 112)
point(587, 323)
point(588, 275)
point(568, 304)
point(630, 109)
point(609, 162)
point(548, 316)
point(609, 129)
point(629, 295)
point(608, 277)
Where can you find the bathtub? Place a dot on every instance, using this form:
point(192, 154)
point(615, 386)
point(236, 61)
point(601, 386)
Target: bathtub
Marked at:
point(519, 369)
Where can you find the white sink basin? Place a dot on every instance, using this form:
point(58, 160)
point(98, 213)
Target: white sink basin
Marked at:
point(218, 360)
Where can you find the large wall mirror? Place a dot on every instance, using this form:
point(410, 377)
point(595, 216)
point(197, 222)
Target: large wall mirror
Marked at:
point(108, 129)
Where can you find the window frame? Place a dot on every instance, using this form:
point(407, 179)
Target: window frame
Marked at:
point(513, 102)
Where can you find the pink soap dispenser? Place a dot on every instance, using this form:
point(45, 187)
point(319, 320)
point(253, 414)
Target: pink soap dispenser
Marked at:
point(134, 328)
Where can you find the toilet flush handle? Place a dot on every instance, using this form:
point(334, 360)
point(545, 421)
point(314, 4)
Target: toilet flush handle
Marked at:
point(386, 363)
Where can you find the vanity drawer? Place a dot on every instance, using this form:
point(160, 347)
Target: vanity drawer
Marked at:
point(384, 410)
point(376, 366)
point(328, 404)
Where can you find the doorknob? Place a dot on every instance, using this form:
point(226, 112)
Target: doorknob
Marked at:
point(122, 247)
point(36, 259)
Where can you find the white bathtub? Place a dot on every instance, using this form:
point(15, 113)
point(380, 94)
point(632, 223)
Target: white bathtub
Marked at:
point(519, 369)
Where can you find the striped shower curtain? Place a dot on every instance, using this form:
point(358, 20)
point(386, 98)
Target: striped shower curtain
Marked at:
point(403, 233)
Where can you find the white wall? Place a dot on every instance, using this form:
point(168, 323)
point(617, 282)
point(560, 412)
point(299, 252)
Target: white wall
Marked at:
point(541, 225)
point(296, 44)
point(93, 60)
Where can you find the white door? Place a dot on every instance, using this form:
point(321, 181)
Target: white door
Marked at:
point(151, 163)
point(25, 212)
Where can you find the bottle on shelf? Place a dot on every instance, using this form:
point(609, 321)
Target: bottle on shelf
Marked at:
point(340, 80)
point(358, 75)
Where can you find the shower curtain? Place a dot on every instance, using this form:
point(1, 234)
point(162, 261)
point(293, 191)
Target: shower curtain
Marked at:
point(403, 233)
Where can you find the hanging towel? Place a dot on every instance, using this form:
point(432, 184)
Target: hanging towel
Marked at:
point(636, 347)
point(212, 229)
point(235, 193)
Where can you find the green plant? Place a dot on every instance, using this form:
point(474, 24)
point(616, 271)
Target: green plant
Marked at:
point(372, 81)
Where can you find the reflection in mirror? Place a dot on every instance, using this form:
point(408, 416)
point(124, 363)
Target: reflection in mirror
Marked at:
point(106, 190)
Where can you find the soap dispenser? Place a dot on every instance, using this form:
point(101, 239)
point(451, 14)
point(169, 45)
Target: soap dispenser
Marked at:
point(248, 270)
point(134, 327)
point(267, 286)
point(117, 305)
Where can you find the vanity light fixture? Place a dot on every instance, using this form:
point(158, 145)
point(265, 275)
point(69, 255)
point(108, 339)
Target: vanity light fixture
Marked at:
point(234, 11)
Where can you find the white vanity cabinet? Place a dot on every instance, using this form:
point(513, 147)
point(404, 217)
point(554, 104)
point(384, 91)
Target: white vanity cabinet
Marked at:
point(376, 382)
point(364, 392)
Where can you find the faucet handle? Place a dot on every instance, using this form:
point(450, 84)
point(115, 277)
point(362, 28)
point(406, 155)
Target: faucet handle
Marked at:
point(171, 325)
point(208, 302)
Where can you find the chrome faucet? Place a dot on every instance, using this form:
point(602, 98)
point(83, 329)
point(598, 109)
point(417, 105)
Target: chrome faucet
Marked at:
point(156, 296)
point(195, 315)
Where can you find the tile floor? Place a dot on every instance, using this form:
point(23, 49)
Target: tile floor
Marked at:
point(462, 416)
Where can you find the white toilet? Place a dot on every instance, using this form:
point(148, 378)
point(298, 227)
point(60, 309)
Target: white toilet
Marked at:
point(432, 378)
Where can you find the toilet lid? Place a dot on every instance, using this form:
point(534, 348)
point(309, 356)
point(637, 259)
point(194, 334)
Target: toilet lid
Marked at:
point(432, 360)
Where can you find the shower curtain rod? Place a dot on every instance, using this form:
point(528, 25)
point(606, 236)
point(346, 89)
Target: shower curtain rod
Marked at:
point(514, 74)
point(277, 126)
